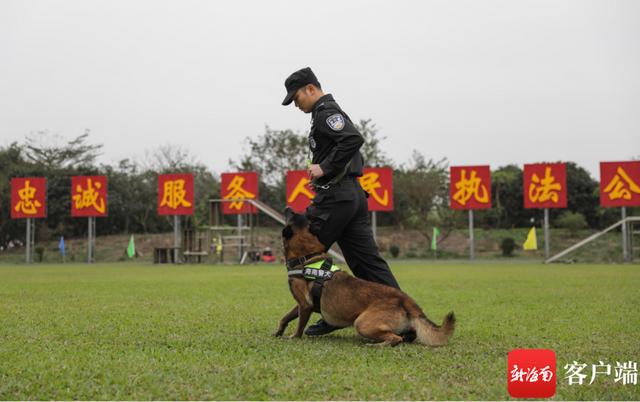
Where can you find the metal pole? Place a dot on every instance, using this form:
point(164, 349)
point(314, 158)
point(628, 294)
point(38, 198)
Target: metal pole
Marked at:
point(176, 239)
point(471, 241)
point(630, 231)
point(33, 237)
point(93, 239)
point(89, 245)
point(374, 226)
point(252, 227)
point(240, 237)
point(28, 255)
point(625, 249)
point(546, 233)
point(89, 240)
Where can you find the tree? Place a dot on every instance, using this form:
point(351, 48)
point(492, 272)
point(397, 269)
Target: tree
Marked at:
point(371, 152)
point(272, 155)
point(53, 152)
point(582, 195)
point(50, 155)
point(132, 200)
point(177, 159)
point(277, 151)
point(507, 199)
point(168, 158)
point(12, 164)
point(421, 195)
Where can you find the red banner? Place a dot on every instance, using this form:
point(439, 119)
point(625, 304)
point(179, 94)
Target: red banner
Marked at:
point(545, 185)
point(28, 197)
point(88, 196)
point(175, 194)
point(470, 187)
point(378, 183)
point(620, 184)
point(299, 192)
point(239, 186)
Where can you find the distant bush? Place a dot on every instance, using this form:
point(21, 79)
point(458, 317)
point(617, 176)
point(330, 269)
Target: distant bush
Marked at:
point(572, 221)
point(394, 250)
point(411, 253)
point(40, 253)
point(507, 246)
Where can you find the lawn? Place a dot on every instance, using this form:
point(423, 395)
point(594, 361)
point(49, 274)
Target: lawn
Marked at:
point(135, 331)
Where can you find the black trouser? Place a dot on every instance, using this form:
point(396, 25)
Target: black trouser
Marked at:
point(340, 214)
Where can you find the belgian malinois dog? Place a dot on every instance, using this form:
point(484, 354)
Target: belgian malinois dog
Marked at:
point(378, 312)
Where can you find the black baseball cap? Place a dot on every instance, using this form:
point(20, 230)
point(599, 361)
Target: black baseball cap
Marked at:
point(296, 81)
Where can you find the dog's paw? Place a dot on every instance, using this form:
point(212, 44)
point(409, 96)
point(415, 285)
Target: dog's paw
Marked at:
point(376, 344)
point(382, 344)
point(278, 333)
point(294, 336)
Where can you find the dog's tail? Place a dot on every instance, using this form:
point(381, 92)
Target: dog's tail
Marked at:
point(428, 333)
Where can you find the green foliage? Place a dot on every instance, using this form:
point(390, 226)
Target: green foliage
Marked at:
point(394, 250)
point(421, 192)
point(421, 186)
point(39, 253)
point(275, 152)
point(507, 246)
point(12, 164)
point(271, 155)
point(506, 192)
point(508, 206)
point(52, 152)
point(582, 195)
point(132, 187)
point(573, 221)
point(371, 150)
point(140, 332)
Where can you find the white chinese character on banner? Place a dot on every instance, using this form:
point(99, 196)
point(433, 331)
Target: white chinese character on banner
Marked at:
point(595, 371)
point(546, 374)
point(517, 375)
point(627, 372)
point(574, 371)
point(533, 375)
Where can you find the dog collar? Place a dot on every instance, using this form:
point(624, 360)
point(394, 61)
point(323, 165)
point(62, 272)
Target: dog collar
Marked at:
point(323, 269)
point(295, 262)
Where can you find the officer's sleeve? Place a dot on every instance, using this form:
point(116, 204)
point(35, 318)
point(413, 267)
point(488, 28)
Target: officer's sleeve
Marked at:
point(347, 138)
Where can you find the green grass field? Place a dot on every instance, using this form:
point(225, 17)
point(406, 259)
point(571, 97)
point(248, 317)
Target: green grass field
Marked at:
point(141, 332)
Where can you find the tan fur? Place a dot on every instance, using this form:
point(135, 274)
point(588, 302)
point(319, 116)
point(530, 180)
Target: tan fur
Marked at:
point(378, 312)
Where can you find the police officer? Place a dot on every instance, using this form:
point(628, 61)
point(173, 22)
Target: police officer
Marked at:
point(339, 210)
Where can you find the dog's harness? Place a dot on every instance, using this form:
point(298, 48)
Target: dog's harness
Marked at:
point(319, 272)
point(295, 262)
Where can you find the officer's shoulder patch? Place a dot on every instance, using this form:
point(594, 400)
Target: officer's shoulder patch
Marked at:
point(336, 122)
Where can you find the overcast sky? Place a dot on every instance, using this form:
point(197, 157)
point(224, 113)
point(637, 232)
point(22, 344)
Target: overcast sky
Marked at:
point(478, 82)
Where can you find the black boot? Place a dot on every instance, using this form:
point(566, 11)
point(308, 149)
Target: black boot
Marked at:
point(320, 328)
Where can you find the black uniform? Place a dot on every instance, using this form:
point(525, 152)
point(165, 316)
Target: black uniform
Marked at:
point(339, 211)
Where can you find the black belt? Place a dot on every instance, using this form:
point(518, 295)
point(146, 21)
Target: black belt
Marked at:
point(345, 180)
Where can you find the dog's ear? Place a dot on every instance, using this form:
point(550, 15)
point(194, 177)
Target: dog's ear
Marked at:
point(314, 229)
point(299, 221)
point(287, 232)
point(288, 213)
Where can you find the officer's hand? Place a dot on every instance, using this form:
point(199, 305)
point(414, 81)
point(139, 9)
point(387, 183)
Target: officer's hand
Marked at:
point(315, 172)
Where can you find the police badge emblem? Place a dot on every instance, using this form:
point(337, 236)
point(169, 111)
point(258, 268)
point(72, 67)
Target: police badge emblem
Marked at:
point(312, 142)
point(336, 122)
